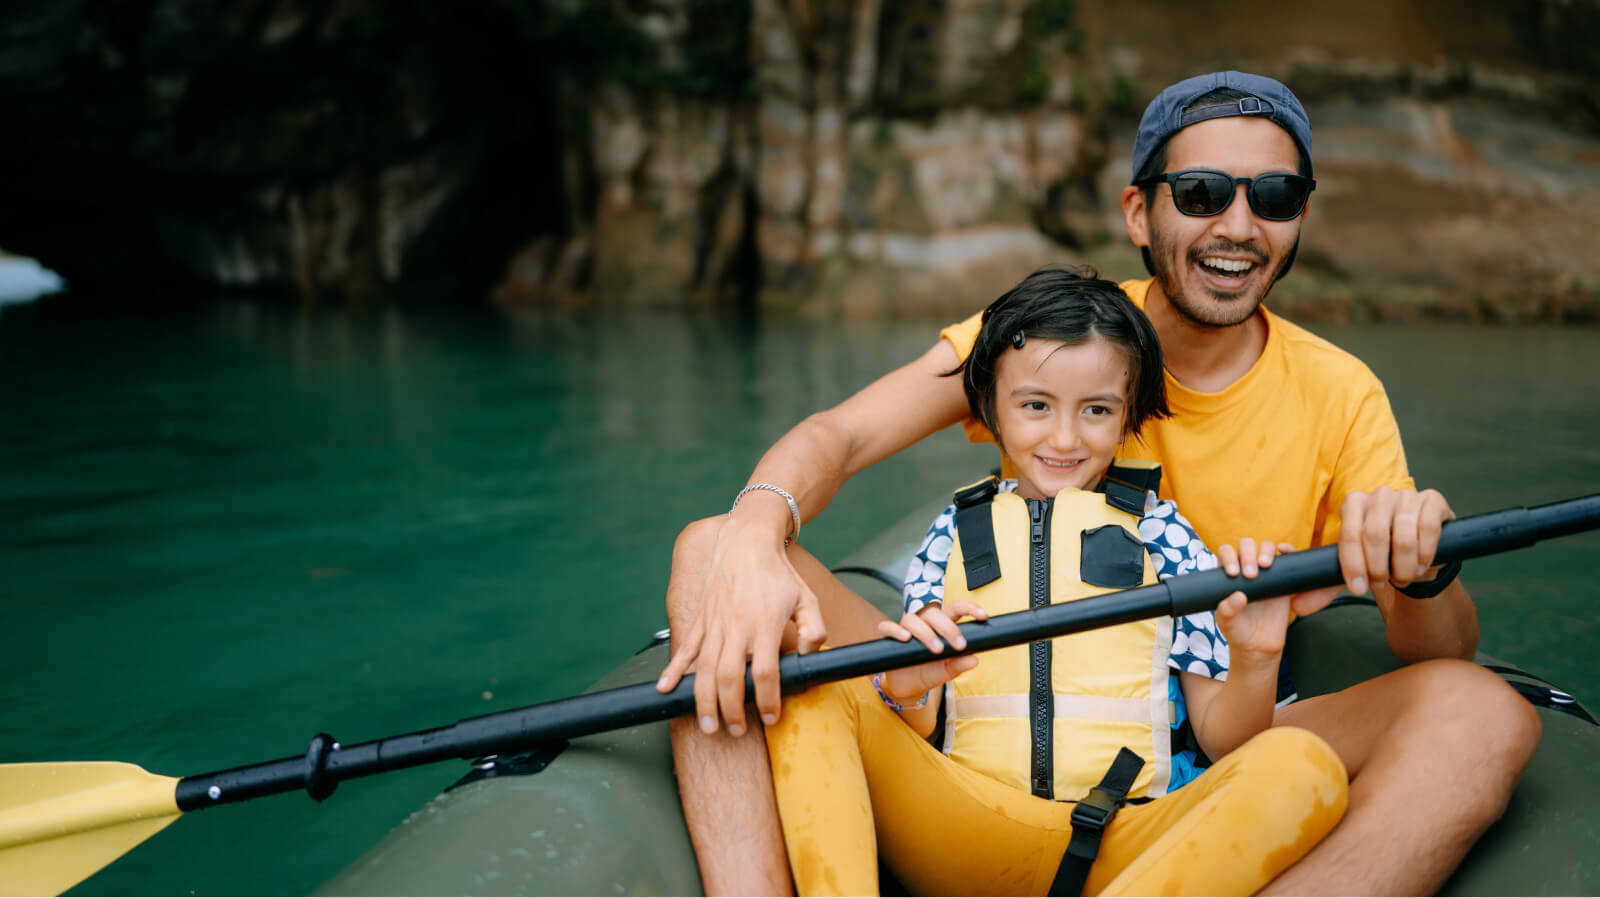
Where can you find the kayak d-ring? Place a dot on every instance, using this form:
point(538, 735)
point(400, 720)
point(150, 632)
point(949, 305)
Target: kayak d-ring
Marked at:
point(319, 784)
point(660, 637)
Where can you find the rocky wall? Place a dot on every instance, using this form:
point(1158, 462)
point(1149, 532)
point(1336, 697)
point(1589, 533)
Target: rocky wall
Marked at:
point(899, 158)
point(816, 157)
point(341, 149)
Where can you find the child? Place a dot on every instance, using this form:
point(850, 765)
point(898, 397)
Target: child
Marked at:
point(1064, 369)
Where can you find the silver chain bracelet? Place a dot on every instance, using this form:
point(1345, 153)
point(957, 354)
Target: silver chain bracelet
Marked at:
point(794, 508)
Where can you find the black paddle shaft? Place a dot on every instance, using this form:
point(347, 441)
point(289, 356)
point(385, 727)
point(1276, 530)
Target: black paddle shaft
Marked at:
point(327, 763)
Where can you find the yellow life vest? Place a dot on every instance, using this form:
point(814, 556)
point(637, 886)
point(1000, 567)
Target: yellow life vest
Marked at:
point(1050, 717)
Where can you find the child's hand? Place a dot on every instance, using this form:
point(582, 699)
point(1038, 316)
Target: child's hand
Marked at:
point(1261, 631)
point(1252, 628)
point(933, 626)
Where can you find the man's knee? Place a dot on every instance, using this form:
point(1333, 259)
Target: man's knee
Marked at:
point(1464, 717)
point(1470, 695)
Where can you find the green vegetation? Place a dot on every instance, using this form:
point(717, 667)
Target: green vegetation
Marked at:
point(1124, 95)
point(1034, 88)
point(1051, 17)
point(602, 42)
point(882, 133)
point(1050, 26)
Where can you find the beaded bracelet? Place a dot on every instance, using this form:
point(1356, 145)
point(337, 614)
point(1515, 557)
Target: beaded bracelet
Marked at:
point(877, 684)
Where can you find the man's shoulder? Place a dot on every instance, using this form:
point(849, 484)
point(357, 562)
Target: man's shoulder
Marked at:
point(1137, 290)
point(1320, 361)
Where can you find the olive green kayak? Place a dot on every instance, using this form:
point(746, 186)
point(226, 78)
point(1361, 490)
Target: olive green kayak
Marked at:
point(600, 816)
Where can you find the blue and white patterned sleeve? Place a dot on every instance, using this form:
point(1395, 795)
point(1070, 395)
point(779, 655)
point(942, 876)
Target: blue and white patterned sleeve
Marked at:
point(1175, 549)
point(925, 575)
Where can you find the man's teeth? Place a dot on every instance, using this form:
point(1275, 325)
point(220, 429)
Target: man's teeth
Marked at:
point(1231, 266)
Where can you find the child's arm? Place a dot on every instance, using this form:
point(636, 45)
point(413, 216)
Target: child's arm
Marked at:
point(1226, 714)
point(916, 690)
point(932, 625)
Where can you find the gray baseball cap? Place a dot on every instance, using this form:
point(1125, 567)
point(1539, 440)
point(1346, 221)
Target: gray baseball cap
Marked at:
point(1268, 99)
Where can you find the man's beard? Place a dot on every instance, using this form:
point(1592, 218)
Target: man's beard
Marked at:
point(1227, 311)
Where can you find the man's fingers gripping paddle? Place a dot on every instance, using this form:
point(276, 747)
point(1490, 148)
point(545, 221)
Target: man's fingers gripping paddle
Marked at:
point(685, 648)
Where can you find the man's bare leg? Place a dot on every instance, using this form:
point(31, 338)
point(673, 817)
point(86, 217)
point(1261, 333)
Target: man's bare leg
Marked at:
point(725, 782)
point(726, 788)
point(1434, 751)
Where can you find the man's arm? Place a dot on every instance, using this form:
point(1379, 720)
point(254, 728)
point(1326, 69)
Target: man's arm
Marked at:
point(1387, 533)
point(752, 591)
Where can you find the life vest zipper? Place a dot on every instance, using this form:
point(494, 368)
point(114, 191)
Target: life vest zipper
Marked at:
point(1041, 695)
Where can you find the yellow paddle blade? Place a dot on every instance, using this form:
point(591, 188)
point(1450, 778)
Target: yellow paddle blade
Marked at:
point(59, 823)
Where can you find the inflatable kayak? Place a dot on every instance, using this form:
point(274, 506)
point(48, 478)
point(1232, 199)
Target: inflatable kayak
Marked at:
point(600, 816)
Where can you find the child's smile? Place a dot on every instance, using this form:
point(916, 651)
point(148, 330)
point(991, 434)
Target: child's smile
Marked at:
point(1060, 412)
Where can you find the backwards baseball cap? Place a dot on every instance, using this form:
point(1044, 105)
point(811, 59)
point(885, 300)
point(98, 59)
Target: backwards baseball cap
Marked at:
point(1269, 99)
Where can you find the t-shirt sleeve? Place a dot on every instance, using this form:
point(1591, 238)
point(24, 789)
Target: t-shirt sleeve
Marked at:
point(962, 335)
point(1175, 549)
point(925, 575)
point(1372, 456)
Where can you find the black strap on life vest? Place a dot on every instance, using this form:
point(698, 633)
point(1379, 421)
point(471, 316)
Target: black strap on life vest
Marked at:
point(1127, 483)
point(1090, 817)
point(975, 525)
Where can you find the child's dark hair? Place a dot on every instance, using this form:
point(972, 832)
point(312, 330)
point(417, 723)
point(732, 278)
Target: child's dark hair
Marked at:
point(1074, 307)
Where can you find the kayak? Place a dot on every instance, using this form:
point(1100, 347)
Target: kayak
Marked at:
point(601, 816)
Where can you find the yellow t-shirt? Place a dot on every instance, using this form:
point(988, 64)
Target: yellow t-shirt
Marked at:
point(1273, 455)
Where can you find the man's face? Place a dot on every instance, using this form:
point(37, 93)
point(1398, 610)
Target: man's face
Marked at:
point(1216, 270)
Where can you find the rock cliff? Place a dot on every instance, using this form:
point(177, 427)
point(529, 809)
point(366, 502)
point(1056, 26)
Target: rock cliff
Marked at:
point(332, 148)
point(821, 157)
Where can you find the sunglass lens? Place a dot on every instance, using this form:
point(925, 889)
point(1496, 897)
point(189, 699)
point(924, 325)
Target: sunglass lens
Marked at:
point(1278, 197)
point(1201, 193)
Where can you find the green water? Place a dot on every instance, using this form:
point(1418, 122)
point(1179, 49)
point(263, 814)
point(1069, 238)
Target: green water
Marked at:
point(226, 529)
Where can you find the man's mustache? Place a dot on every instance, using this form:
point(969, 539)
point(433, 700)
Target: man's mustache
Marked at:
point(1228, 247)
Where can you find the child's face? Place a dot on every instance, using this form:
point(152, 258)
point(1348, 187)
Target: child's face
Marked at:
point(1060, 410)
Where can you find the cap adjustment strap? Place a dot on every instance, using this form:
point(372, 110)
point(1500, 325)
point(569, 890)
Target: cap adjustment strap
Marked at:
point(1245, 106)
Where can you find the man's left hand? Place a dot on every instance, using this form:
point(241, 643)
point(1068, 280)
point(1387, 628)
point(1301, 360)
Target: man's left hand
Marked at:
point(1387, 537)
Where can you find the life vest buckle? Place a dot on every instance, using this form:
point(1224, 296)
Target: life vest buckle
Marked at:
point(1090, 817)
point(1095, 810)
point(980, 493)
point(1127, 482)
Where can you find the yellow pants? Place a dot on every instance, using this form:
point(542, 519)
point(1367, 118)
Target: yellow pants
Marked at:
point(853, 779)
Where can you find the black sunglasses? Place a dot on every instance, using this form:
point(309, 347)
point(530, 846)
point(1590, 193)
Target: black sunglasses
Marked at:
point(1202, 192)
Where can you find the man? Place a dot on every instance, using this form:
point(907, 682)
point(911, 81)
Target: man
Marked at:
point(1276, 435)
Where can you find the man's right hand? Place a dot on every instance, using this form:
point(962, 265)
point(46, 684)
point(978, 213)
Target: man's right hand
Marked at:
point(752, 594)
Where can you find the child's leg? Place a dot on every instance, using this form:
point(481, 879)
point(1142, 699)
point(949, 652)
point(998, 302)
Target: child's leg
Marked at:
point(1230, 832)
point(823, 802)
point(844, 766)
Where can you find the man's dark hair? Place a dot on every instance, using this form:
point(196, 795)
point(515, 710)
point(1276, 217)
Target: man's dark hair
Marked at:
point(1074, 307)
point(1157, 163)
